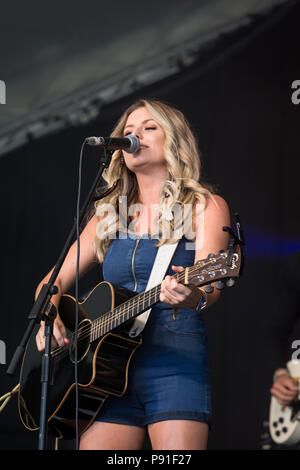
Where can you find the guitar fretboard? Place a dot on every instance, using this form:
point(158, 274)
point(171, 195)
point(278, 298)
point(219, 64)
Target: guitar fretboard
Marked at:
point(124, 312)
point(141, 302)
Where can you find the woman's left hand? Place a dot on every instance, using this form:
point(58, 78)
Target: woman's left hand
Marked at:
point(178, 295)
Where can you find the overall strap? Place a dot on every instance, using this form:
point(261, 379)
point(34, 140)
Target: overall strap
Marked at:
point(160, 266)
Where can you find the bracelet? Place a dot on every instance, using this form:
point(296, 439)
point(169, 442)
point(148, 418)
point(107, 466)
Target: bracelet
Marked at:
point(202, 302)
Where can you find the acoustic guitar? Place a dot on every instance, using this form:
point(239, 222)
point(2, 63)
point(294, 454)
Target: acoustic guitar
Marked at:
point(104, 347)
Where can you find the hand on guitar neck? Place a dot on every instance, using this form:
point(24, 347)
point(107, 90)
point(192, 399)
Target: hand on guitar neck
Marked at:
point(284, 388)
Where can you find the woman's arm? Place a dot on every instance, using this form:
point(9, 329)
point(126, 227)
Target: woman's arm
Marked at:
point(66, 278)
point(210, 235)
point(210, 238)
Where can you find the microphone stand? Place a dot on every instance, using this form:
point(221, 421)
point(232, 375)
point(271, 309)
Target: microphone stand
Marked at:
point(43, 310)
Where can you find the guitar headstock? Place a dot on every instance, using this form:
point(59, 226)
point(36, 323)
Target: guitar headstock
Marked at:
point(222, 269)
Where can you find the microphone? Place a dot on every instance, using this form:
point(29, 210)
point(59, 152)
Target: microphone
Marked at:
point(130, 143)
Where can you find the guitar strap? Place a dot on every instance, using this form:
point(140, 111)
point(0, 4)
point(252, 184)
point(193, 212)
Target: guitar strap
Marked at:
point(161, 263)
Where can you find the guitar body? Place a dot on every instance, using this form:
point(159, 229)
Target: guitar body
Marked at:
point(102, 366)
point(284, 423)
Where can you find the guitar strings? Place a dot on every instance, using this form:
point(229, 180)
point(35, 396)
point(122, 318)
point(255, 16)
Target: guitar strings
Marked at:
point(109, 317)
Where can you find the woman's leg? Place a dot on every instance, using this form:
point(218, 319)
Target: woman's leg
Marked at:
point(111, 436)
point(178, 434)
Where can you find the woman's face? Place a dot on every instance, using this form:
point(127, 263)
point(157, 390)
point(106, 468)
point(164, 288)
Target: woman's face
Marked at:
point(151, 137)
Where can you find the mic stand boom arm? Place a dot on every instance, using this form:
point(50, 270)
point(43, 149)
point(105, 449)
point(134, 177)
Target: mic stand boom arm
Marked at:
point(43, 310)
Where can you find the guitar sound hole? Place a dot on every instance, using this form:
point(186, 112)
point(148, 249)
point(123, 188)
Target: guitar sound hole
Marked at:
point(83, 341)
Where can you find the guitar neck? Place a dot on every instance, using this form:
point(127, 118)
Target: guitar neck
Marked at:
point(205, 271)
point(125, 312)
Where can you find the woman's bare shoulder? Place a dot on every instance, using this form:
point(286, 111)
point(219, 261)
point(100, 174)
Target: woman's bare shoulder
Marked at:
point(215, 206)
point(216, 203)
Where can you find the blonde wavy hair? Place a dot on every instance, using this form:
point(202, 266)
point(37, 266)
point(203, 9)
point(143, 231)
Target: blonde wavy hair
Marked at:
point(181, 187)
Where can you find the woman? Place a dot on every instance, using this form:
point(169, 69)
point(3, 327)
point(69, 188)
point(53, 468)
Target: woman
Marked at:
point(168, 386)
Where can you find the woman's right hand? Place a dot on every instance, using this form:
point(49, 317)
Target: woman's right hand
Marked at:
point(59, 337)
point(284, 389)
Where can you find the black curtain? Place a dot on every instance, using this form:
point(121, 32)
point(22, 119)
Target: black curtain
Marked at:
point(248, 127)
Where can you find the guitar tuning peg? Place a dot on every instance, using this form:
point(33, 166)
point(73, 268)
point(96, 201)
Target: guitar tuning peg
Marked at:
point(209, 289)
point(220, 285)
point(230, 282)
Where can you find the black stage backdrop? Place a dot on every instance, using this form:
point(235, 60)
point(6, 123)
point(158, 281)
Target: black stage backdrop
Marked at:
point(248, 129)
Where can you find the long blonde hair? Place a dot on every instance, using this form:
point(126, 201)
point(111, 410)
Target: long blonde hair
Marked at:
point(182, 185)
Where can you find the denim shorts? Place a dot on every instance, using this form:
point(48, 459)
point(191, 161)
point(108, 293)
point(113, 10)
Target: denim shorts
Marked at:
point(168, 375)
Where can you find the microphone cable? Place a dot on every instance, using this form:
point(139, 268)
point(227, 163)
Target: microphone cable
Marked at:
point(77, 299)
